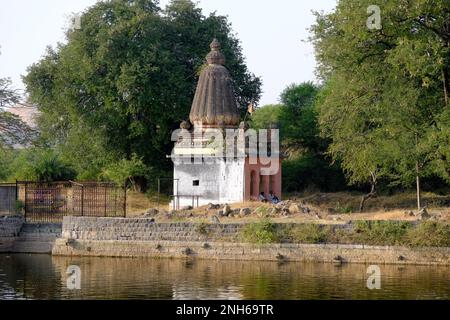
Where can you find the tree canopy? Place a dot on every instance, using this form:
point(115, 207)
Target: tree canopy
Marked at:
point(385, 99)
point(125, 80)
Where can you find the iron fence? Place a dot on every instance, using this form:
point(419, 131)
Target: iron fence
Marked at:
point(49, 202)
point(8, 198)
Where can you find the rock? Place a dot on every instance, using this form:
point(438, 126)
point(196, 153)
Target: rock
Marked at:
point(221, 213)
point(338, 259)
point(401, 258)
point(212, 206)
point(423, 214)
point(245, 212)
point(215, 220)
point(280, 257)
point(409, 214)
point(285, 212)
point(227, 210)
point(187, 251)
point(306, 210)
point(294, 208)
point(206, 246)
point(151, 213)
point(235, 213)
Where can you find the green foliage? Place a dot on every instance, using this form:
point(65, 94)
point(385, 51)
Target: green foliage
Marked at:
point(311, 233)
point(36, 164)
point(376, 233)
point(430, 234)
point(385, 90)
point(19, 206)
point(311, 171)
point(381, 232)
point(127, 78)
point(262, 232)
point(125, 171)
point(267, 117)
point(202, 229)
point(307, 164)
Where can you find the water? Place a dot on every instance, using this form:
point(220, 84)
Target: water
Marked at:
point(44, 277)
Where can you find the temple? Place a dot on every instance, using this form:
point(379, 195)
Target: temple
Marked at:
point(204, 169)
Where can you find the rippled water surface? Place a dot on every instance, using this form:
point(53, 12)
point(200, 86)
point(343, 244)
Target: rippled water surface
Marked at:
point(44, 277)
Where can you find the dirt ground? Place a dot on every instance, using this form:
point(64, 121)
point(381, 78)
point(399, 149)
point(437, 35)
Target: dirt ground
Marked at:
point(323, 208)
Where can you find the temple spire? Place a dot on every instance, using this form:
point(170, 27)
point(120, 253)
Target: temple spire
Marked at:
point(214, 103)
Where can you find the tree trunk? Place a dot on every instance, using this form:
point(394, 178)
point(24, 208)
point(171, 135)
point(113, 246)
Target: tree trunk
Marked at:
point(419, 198)
point(446, 84)
point(372, 194)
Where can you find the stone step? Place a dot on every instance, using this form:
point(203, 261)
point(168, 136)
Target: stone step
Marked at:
point(37, 237)
point(33, 246)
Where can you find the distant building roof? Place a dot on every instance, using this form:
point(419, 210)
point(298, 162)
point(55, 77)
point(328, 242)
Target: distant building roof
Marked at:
point(28, 113)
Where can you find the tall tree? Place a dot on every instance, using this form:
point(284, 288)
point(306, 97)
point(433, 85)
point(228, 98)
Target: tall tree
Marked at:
point(129, 76)
point(386, 89)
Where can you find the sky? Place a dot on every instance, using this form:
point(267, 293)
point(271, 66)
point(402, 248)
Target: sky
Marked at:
point(272, 35)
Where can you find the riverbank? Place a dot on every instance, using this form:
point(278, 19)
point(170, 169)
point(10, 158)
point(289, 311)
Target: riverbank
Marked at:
point(106, 237)
point(338, 254)
point(373, 243)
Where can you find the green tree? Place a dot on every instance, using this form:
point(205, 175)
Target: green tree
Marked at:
point(129, 76)
point(36, 164)
point(386, 91)
point(306, 165)
point(127, 171)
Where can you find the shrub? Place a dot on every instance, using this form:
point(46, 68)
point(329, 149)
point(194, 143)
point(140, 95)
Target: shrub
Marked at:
point(262, 232)
point(40, 165)
point(19, 206)
point(311, 233)
point(429, 234)
point(202, 229)
point(380, 232)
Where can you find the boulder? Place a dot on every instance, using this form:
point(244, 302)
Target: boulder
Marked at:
point(294, 208)
point(423, 214)
point(409, 214)
point(227, 210)
point(212, 206)
point(222, 213)
point(245, 212)
point(234, 213)
point(285, 212)
point(151, 213)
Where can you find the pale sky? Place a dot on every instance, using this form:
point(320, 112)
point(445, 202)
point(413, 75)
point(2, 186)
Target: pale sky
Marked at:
point(271, 34)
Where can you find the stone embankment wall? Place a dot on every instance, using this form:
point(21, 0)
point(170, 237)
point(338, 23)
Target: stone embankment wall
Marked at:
point(105, 229)
point(9, 231)
point(143, 238)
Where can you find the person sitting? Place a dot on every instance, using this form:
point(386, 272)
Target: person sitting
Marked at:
point(262, 197)
point(273, 198)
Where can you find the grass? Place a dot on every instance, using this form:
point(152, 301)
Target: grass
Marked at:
point(376, 233)
point(262, 232)
point(348, 202)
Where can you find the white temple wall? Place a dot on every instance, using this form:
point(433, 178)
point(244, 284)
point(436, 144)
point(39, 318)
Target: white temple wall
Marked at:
point(218, 183)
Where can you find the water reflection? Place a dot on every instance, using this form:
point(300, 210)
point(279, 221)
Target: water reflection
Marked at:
point(44, 277)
